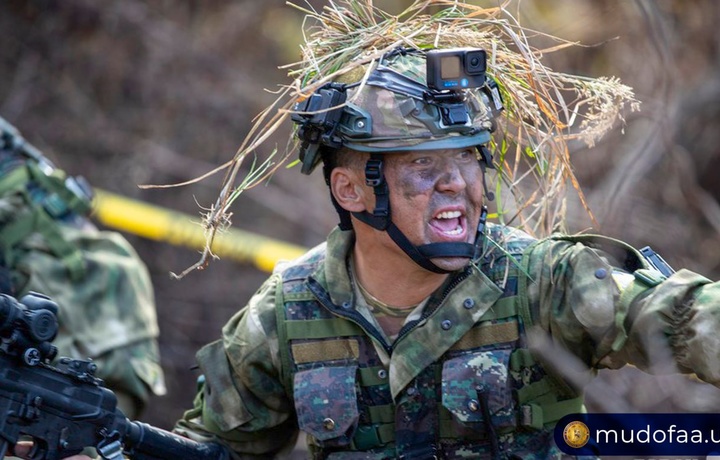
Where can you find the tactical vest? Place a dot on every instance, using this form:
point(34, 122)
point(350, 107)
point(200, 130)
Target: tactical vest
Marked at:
point(487, 397)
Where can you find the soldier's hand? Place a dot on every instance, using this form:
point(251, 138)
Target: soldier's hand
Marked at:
point(22, 450)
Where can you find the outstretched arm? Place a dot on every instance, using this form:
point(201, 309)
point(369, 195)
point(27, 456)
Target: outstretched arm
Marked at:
point(609, 317)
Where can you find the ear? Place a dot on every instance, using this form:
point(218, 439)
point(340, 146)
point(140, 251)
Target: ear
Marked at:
point(349, 189)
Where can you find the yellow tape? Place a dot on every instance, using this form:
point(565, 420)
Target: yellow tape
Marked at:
point(160, 224)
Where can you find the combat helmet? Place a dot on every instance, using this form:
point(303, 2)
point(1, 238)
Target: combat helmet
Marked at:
point(408, 100)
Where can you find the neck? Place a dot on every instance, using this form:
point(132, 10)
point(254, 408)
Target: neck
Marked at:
point(391, 276)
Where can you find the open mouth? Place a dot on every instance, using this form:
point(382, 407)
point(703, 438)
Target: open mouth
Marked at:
point(449, 223)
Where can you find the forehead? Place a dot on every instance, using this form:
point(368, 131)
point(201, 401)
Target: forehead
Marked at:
point(400, 157)
point(431, 152)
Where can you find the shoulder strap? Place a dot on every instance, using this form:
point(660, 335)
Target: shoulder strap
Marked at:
point(284, 350)
point(629, 258)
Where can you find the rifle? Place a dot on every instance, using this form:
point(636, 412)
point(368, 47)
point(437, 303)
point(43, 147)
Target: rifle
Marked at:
point(65, 408)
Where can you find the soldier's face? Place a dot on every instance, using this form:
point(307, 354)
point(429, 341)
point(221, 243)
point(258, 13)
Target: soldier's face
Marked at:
point(436, 196)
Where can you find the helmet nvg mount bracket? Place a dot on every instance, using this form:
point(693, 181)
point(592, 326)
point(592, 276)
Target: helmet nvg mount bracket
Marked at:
point(412, 100)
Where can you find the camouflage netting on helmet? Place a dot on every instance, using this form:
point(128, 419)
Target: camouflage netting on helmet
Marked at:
point(544, 109)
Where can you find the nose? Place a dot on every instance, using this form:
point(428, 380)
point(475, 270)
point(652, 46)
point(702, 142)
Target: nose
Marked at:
point(452, 180)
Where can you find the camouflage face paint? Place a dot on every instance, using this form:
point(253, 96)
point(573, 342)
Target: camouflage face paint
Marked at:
point(423, 171)
point(435, 196)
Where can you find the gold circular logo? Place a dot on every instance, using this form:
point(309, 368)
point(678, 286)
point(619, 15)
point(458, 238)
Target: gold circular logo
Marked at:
point(576, 434)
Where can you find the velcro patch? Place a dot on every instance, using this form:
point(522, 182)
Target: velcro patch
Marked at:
point(325, 350)
point(488, 334)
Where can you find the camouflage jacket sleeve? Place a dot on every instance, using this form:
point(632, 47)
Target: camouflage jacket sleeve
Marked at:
point(241, 400)
point(608, 317)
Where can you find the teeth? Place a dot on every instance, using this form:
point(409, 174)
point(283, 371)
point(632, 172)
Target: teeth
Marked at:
point(457, 231)
point(449, 215)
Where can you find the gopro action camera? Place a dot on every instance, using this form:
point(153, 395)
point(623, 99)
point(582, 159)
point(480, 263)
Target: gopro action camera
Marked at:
point(456, 69)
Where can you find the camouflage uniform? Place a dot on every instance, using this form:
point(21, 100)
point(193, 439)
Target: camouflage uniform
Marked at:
point(460, 380)
point(103, 290)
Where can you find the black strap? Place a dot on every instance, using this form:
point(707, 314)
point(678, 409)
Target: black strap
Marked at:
point(413, 251)
point(421, 255)
point(6, 286)
point(345, 222)
point(375, 178)
point(433, 250)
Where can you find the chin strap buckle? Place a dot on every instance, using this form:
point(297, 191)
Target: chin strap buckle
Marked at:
point(374, 175)
point(375, 178)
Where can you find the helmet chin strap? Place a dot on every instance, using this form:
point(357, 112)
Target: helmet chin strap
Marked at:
point(380, 219)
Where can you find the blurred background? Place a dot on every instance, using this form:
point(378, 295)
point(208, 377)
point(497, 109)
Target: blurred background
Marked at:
point(129, 92)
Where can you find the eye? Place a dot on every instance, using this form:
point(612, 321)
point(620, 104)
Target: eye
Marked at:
point(422, 161)
point(467, 155)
